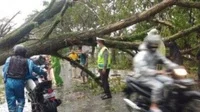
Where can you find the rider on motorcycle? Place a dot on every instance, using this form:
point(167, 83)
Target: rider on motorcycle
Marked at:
point(145, 69)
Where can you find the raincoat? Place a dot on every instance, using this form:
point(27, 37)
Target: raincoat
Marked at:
point(15, 87)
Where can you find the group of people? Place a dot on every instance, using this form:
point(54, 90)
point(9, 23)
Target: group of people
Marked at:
point(52, 65)
point(17, 69)
point(103, 64)
point(81, 57)
point(145, 67)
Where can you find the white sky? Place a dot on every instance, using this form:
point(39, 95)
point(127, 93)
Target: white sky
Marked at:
point(9, 7)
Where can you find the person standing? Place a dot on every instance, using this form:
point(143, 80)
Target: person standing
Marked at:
point(198, 61)
point(84, 62)
point(56, 70)
point(74, 56)
point(104, 63)
point(16, 70)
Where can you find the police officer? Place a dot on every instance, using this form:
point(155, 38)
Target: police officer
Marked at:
point(16, 70)
point(104, 62)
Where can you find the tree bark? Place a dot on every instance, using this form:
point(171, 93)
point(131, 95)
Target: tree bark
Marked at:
point(16, 35)
point(188, 4)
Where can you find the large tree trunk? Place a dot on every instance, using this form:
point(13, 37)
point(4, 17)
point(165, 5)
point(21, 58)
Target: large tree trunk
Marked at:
point(46, 46)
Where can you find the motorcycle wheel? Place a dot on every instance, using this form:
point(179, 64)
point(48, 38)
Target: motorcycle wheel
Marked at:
point(51, 107)
point(37, 107)
point(133, 97)
point(192, 106)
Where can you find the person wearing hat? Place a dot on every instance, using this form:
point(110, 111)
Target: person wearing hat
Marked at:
point(104, 63)
point(16, 70)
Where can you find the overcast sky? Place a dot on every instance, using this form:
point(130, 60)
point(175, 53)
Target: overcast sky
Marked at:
point(9, 7)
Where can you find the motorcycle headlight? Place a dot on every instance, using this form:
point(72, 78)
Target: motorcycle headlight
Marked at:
point(180, 72)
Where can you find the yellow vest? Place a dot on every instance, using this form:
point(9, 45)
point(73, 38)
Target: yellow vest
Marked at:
point(100, 60)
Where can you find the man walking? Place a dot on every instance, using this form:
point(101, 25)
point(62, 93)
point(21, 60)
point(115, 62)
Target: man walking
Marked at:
point(16, 70)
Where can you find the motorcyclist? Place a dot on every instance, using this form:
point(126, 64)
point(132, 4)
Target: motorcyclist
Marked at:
point(145, 68)
point(16, 70)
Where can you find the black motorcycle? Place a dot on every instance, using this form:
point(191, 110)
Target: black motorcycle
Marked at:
point(42, 98)
point(177, 97)
point(41, 95)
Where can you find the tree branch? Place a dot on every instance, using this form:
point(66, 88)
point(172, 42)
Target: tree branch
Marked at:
point(182, 33)
point(129, 21)
point(46, 35)
point(189, 50)
point(128, 52)
point(10, 19)
point(167, 23)
point(5, 28)
point(188, 4)
point(93, 76)
point(130, 38)
point(15, 36)
point(189, 59)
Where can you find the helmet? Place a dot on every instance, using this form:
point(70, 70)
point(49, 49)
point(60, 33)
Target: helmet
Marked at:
point(20, 50)
point(152, 42)
point(153, 32)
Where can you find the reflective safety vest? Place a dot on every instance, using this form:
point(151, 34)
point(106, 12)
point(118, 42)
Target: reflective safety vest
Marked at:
point(100, 60)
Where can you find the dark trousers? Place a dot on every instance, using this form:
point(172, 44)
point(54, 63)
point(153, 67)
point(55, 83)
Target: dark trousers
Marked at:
point(198, 72)
point(105, 83)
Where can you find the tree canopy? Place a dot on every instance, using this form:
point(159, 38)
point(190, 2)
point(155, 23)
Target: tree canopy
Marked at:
point(123, 23)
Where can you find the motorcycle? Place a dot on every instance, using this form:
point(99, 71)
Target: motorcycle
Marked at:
point(177, 96)
point(41, 95)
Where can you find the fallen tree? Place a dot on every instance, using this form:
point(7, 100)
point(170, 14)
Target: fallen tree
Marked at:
point(46, 45)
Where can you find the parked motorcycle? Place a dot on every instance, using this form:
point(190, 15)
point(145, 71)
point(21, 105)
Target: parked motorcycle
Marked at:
point(177, 97)
point(41, 95)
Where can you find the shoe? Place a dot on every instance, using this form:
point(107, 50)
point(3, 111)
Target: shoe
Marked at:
point(106, 97)
point(103, 94)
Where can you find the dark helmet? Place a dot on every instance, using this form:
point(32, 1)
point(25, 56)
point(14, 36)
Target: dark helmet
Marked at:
point(20, 50)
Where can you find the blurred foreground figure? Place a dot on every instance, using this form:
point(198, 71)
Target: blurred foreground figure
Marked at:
point(145, 63)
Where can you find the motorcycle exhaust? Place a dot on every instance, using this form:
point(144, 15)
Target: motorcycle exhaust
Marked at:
point(131, 104)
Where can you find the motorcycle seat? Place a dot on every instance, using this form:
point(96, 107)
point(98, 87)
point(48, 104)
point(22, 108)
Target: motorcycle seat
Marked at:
point(139, 87)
